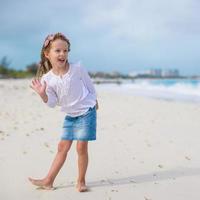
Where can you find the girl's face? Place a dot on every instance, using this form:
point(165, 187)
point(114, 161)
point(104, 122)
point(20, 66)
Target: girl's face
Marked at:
point(58, 53)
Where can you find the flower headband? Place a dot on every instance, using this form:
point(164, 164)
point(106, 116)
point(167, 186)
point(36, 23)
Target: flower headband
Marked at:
point(51, 37)
point(48, 39)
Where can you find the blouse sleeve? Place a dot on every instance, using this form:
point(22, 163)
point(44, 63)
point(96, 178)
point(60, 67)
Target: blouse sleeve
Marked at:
point(52, 97)
point(87, 81)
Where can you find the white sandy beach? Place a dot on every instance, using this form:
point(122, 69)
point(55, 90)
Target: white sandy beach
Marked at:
point(146, 149)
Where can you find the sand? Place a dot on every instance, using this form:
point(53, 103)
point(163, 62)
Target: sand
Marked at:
point(146, 149)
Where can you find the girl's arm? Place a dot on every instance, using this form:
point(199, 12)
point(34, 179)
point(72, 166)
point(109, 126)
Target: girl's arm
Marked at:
point(46, 93)
point(88, 82)
point(40, 89)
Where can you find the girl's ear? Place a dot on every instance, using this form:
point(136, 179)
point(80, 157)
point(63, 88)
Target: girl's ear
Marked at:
point(46, 54)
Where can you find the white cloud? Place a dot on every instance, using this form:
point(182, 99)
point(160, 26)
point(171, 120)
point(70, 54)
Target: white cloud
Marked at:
point(142, 20)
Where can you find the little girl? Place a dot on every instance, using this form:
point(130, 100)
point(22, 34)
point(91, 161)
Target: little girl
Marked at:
point(69, 86)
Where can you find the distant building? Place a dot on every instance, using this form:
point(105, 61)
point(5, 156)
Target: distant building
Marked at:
point(157, 73)
point(170, 73)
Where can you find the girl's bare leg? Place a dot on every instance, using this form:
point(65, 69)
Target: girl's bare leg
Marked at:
point(82, 150)
point(47, 182)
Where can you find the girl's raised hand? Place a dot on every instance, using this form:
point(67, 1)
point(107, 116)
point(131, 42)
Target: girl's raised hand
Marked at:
point(38, 87)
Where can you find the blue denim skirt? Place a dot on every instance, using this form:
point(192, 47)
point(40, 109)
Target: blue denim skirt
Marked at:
point(82, 127)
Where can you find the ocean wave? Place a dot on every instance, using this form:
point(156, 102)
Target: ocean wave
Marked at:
point(184, 90)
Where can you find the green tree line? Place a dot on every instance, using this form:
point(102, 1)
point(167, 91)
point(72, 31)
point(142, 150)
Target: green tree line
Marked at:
point(7, 72)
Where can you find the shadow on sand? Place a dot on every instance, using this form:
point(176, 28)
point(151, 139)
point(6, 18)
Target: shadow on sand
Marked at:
point(143, 178)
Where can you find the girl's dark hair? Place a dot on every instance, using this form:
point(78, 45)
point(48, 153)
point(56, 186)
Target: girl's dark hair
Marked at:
point(45, 65)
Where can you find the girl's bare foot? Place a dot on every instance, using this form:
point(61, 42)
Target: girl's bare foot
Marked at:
point(43, 183)
point(81, 187)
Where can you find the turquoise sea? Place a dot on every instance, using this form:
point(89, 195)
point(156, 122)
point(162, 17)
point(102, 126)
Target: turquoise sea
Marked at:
point(168, 89)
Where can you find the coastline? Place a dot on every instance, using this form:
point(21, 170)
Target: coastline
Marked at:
point(164, 89)
point(145, 148)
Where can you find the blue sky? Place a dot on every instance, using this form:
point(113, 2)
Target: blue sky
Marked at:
point(106, 35)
